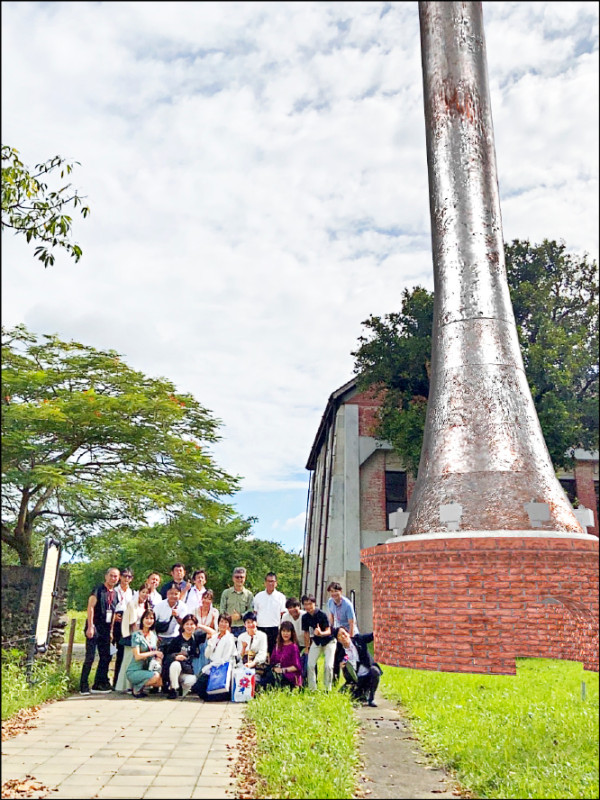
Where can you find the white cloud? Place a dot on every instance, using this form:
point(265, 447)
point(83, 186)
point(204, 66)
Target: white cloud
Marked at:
point(258, 185)
point(295, 523)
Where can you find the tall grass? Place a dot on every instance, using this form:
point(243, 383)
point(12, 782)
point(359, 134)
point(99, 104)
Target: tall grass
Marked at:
point(526, 736)
point(306, 744)
point(49, 682)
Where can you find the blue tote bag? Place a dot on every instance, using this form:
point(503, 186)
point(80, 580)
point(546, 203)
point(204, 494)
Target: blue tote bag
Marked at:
point(219, 679)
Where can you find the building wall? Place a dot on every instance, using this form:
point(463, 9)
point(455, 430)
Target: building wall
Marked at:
point(585, 474)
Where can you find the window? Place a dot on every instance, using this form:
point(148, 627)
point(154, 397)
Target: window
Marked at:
point(568, 484)
point(395, 493)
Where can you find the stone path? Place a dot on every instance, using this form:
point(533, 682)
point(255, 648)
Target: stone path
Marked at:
point(393, 759)
point(98, 746)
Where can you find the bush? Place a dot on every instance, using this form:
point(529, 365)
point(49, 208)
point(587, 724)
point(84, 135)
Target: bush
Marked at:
point(49, 682)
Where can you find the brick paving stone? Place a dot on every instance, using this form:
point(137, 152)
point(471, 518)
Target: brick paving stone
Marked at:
point(179, 793)
point(107, 743)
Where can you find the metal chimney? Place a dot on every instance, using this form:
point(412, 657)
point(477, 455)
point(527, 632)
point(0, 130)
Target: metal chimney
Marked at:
point(484, 464)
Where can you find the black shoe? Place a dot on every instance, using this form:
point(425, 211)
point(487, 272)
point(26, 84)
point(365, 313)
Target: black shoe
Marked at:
point(103, 689)
point(85, 690)
point(372, 703)
point(141, 693)
point(154, 690)
point(173, 694)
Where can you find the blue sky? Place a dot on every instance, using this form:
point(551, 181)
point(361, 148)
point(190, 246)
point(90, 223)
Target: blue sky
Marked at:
point(258, 185)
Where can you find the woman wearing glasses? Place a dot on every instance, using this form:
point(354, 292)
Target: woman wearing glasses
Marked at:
point(124, 597)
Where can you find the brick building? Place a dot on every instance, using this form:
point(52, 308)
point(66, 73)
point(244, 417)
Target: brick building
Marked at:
point(356, 481)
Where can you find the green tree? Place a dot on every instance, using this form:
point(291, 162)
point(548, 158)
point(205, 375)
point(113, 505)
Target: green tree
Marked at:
point(555, 299)
point(89, 443)
point(30, 208)
point(217, 547)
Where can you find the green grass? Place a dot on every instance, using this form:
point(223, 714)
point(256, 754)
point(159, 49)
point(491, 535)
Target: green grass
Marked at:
point(50, 682)
point(503, 736)
point(79, 634)
point(306, 744)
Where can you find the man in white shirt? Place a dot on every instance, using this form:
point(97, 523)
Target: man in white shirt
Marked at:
point(269, 606)
point(152, 582)
point(169, 614)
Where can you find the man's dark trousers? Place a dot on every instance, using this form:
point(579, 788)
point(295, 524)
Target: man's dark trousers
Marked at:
point(100, 640)
point(117, 634)
point(271, 637)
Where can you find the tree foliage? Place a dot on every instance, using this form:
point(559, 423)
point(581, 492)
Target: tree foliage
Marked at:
point(31, 208)
point(198, 543)
point(89, 443)
point(555, 300)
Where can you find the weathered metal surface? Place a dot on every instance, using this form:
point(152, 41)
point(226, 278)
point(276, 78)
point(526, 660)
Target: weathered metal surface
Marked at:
point(483, 445)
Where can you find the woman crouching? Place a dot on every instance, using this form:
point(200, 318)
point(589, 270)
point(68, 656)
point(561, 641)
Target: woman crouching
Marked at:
point(220, 649)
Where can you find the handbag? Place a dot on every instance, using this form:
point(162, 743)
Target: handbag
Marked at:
point(219, 678)
point(125, 641)
point(243, 684)
point(154, 665)
point(187, 668)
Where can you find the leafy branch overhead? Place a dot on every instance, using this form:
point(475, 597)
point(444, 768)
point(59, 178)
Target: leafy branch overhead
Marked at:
point(31, 208)
point(89, 443)
point(555, 300)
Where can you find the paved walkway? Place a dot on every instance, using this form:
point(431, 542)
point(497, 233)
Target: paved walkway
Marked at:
point(393, 758)
point(115, 746)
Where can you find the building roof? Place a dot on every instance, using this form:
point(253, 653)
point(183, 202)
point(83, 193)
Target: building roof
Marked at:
point(335, 400)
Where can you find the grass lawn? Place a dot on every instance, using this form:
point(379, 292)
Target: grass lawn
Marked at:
point(504, 736)
point(306, 744)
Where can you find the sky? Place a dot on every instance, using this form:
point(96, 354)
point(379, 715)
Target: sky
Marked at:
point(257, 179)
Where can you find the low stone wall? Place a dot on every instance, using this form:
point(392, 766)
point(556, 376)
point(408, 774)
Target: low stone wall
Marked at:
point(462, 604)
point(20, 586)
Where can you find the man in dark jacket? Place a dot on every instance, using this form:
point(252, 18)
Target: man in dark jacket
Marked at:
point(98, 628)
point(360, 672)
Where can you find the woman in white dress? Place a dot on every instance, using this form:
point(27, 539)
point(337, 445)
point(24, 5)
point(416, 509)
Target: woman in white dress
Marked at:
point(129, 624)
point(208, 616)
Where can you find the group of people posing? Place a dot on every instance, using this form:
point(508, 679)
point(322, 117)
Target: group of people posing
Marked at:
point(169, 640)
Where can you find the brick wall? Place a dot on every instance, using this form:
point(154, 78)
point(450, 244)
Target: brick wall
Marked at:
point(463, 604)
point(368, 406)
point(372, 493)
point(584, 488)
point(20, 586)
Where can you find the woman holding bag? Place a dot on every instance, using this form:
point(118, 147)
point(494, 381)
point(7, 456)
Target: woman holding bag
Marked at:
point(144, 645)
point(220, 650)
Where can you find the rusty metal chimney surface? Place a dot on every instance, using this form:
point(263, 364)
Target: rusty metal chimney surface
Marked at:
point(483, 446)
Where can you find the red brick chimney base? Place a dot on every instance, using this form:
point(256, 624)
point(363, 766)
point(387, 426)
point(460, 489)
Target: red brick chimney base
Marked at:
point(473, 603)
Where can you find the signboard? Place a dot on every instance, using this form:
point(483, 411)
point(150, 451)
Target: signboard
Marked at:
point(46, 595)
